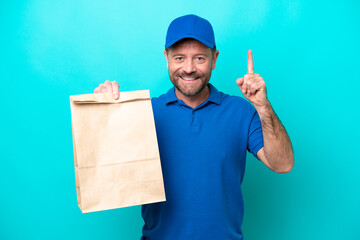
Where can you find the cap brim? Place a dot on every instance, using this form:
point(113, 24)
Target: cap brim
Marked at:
point(200, 39)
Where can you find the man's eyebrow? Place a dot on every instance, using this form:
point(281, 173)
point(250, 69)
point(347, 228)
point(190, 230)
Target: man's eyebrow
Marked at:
point(178, 54)
point(202, 54)
point(197, 54)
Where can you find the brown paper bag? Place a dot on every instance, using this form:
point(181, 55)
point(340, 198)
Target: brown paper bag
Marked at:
point(116, 155)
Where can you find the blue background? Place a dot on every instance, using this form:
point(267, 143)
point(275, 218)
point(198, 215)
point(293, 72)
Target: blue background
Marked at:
point(306, 51)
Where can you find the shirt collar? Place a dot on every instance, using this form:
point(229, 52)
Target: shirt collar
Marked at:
point(214, 96)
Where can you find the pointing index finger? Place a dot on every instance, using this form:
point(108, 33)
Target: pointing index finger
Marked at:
point(250, 62)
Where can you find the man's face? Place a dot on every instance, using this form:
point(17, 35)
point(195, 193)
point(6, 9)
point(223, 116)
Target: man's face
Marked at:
point(190, 64)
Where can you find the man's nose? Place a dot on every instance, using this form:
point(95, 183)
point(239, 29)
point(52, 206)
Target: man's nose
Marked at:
point(189, 66)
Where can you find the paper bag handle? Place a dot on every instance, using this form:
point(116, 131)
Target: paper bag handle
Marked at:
point(109, 98)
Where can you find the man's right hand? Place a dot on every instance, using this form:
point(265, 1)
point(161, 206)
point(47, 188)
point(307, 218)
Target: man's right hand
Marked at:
point(108, 87)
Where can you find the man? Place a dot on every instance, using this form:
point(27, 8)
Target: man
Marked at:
point(203, 138)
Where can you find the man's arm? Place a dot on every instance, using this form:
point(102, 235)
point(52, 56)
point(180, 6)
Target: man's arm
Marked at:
point(277, 153)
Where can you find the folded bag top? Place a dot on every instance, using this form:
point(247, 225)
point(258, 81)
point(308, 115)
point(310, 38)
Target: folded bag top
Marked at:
point(108, 97)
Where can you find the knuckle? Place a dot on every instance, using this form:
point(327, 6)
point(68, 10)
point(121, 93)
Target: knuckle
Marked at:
point(250, 75)
point(107, 83)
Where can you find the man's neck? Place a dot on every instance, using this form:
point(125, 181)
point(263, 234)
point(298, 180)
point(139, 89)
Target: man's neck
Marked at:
point(196, 100)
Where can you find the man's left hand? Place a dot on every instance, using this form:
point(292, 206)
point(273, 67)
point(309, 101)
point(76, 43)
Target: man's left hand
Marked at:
point(253, 86)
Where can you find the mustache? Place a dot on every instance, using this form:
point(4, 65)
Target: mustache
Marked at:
point(191, 75)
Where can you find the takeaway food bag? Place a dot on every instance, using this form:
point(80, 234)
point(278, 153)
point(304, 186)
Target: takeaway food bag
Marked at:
point(116, 154)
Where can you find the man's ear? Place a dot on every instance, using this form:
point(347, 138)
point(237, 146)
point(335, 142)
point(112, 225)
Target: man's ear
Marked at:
point(166, 57)
point(216, 54)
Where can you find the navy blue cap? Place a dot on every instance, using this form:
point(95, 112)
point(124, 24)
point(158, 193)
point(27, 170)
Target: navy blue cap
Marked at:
point(190, 26)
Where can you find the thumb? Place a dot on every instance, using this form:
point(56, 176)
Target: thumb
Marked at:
point(115, 89)
point(240, 81)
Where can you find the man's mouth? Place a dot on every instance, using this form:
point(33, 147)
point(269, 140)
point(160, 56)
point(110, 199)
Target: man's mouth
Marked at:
point(189, 78)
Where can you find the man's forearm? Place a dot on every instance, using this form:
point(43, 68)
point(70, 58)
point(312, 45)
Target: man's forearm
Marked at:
point(277, 145)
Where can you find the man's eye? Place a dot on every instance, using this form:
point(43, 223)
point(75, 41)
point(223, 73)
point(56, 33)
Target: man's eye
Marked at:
point(200, 58)
point(179, 58)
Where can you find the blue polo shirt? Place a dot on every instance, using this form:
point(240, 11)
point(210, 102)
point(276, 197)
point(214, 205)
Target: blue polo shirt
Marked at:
point(203, 152)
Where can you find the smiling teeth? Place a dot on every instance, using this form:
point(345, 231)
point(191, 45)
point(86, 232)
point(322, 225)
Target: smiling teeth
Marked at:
point(189, 79)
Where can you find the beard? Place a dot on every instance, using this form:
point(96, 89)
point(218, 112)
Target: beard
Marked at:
point(201, 80)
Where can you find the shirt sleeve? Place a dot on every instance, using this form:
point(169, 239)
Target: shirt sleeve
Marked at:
point(255, 136)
